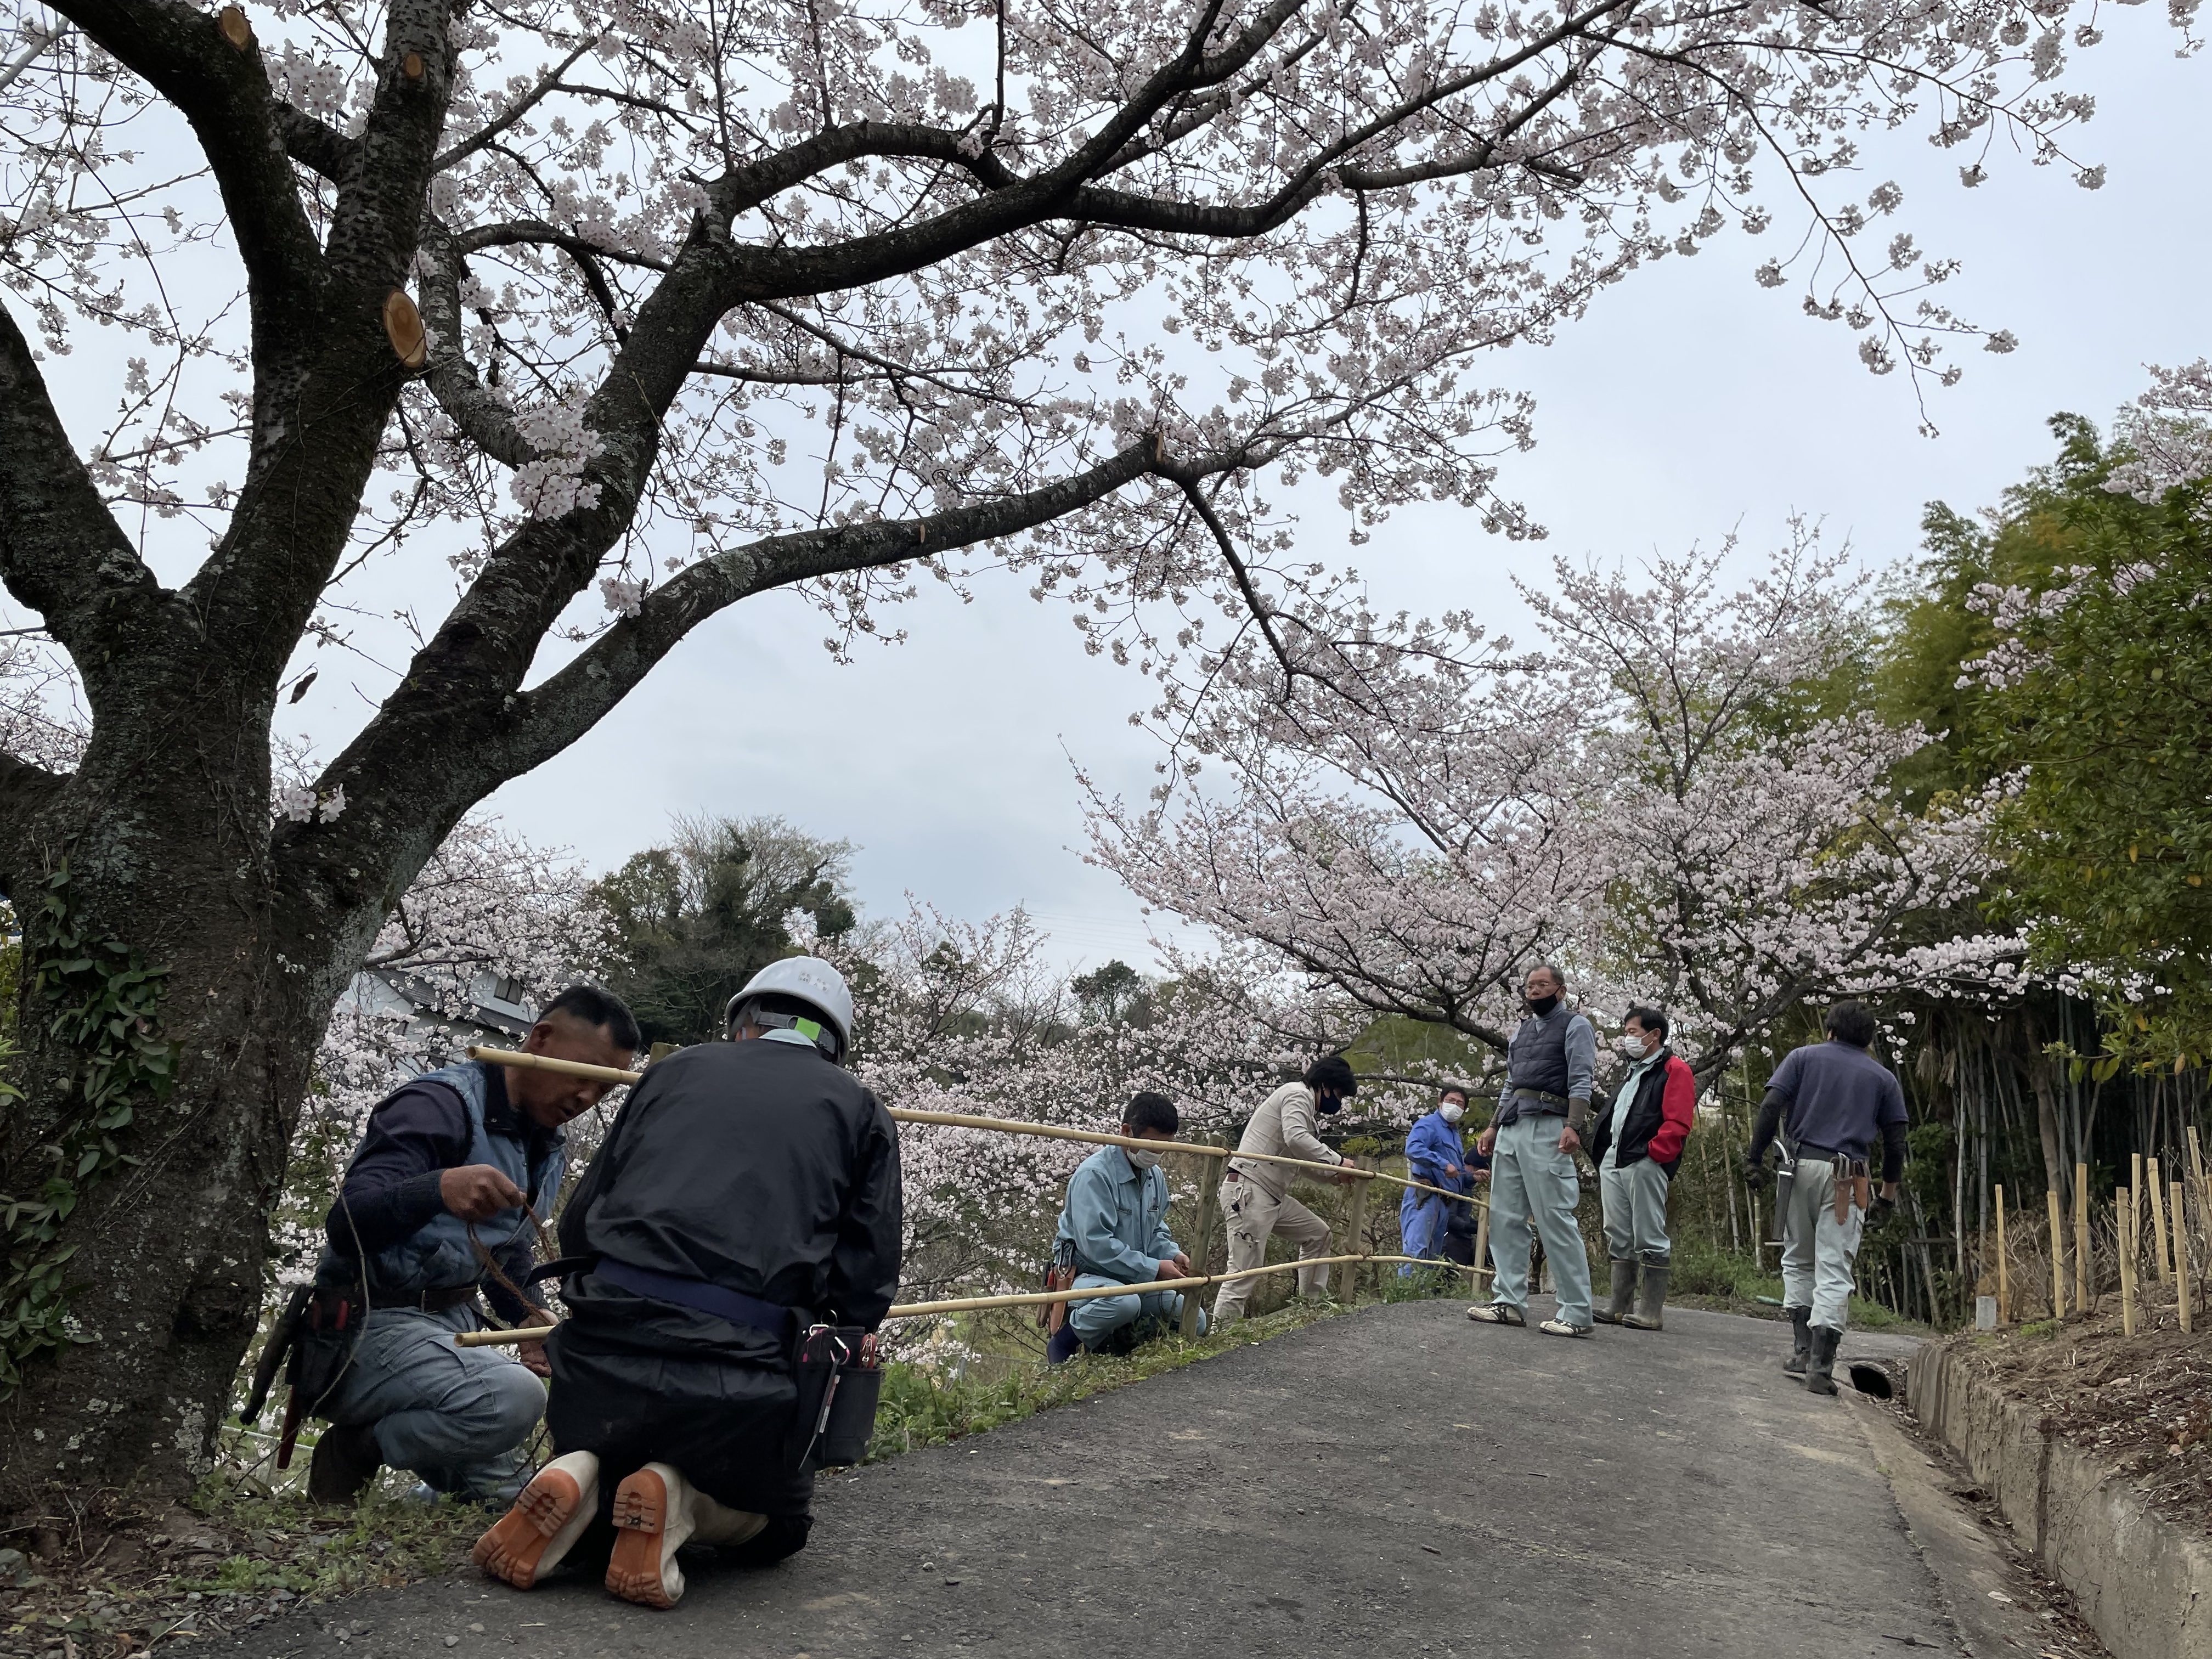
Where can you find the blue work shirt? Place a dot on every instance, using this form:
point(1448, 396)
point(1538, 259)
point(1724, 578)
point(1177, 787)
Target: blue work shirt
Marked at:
point(1116, 1218)
point(1431, 1147)
point(1839, 1096)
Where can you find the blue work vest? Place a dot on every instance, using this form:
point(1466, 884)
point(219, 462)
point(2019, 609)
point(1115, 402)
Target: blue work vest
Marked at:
point(437, 1254)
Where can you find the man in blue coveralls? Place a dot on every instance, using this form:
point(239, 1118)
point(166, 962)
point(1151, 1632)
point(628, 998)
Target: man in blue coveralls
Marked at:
point(1113, 1231)
point(1435, 1158)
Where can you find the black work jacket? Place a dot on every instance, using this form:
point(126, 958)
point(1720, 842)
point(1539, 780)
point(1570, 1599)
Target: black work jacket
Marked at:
point(757, 1166)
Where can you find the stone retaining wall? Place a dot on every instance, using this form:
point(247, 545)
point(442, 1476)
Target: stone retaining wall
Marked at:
point(2142, 1582)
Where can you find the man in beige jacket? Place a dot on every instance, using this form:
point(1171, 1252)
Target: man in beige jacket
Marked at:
point(1255, 1197)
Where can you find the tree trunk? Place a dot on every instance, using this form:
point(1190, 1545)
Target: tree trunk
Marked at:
point(158, 857)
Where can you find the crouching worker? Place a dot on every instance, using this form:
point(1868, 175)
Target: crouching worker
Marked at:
point(1435, 1158)
point(1113, 1231)
point(748, 1192)
point(454, 1174)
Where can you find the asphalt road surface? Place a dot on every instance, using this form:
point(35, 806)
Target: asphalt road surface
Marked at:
point(1395, 1481)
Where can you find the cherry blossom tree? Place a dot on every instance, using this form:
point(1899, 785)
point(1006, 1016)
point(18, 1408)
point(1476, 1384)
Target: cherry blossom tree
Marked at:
point(2170, 430)
point(1655, 796)
point(673, 305)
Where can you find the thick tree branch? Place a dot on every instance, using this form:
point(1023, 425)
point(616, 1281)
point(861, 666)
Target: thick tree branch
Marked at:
point(61, 552)
point(315, 145)
point(25, 791)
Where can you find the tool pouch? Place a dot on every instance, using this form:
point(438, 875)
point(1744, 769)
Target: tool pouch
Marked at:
point(840, 1385)
point(1059, 1276)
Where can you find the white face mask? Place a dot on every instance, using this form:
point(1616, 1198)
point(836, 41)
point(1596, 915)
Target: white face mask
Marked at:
point(1630, 1046)
point(1143, 1160)
point(1451, 1111)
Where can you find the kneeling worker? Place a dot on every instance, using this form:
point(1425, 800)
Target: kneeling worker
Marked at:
point(443, 1198)
point(748, 1190)
point(1113, 1230)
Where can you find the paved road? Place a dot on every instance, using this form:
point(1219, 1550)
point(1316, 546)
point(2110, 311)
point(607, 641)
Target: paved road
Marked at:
point(1395, 1481)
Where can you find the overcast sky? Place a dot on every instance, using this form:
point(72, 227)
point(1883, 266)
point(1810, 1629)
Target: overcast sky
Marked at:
point(1690, 403)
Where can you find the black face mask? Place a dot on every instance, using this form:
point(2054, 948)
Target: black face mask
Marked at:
point(1541, 1006)
point(1326, 1105)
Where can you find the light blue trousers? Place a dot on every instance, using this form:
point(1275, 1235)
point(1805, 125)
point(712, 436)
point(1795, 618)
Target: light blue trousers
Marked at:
point(1097, 1317)
point(1532, 1181)
point(1817, 1249)
point(1635, 1211)
point(457, 1416)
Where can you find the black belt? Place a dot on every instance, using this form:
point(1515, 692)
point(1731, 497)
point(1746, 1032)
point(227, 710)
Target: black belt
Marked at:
point(437, 1300)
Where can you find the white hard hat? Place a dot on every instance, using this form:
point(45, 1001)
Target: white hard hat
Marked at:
point(806, 978)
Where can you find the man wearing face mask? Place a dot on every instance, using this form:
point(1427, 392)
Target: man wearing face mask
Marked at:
point(1435, 1158)
point(1542, 1112)
point(1636, 1146)
point(1255, 1197)
point(1113, 1231)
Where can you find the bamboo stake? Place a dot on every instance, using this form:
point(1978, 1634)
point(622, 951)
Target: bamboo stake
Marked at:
point(2136, 1192)
point(1002, 1126)
point(1482, 1264)
point(2057, 1258)
point(2081, 1257)
point(1209, 1203)
point(2124, 1217)
point(1355, 1235)
point(2004, 1270)
point(2158, 1221)
point(2181, 1264)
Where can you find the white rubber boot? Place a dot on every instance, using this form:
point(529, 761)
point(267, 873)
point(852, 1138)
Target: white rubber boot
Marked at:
point(549, 1517)
point(653, 1518)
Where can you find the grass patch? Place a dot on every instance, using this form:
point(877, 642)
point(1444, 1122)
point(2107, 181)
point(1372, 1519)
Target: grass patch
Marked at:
point(924, 1406)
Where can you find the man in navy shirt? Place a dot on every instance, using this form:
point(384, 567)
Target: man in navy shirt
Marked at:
point(455, 1174)
point(1830, 1100)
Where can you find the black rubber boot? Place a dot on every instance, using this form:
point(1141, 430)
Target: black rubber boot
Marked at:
point(1623, 1290)
point(1064, 1347)
point(1820, 1369)
point(346, 1460)
point(1801, 1350)
point(1651, 1299)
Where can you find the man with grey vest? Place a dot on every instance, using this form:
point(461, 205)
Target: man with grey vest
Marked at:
point(1827, 1103)
point(1542, 1113)
point(455, 1174)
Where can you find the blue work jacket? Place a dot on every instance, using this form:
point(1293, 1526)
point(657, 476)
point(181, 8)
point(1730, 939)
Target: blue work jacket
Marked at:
point(1430, 1146)
point(1116, 1218)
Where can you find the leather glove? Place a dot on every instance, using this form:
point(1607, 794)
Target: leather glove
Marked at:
point(1880, 1210)
point(1756, 1175)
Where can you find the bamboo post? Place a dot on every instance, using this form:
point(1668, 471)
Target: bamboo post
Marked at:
point(1348, 1285)
point(1482, 1266)
point(2123, 1224)
point(2181, 1286)
point(2158, 1222)
point(2004, 1272)
point(1201, 1249)
point(2057, 1258)
point(2081, 1256)
point(2136, 1195)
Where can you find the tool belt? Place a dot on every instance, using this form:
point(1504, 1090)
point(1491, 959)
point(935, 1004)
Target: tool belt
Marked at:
point(1059, 1276)
point(313, 1342)
point(1550, 1103)
point(839, 1372)
point(1854, 1183)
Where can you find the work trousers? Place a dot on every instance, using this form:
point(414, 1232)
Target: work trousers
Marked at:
point(1635, 1200)
point(457, 1416)
point(1097, 1317)
point(1817, 1249)
point(1252, 1213)
point(1531, 1183)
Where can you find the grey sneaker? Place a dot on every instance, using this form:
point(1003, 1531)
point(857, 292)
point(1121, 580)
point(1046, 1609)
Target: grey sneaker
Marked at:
point(1560, 1327)
point(1498, 1313)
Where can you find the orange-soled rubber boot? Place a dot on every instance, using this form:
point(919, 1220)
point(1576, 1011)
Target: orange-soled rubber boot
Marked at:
point(548, 1518)
point(653, 1517)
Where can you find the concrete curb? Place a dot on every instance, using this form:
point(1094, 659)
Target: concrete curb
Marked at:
point(2144, 1583)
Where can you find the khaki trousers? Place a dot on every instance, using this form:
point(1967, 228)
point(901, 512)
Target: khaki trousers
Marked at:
point(1252, 1213)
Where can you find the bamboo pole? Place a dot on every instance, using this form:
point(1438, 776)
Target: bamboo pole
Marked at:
point(2158, 1222)
point(1482, 1262)
point(2181, 1286)
point(2004, 1268)
point(2057, 1257)
point(1002, 1126)
point(2123, 1219)
point(2135, 1193)
point(2081, 1256)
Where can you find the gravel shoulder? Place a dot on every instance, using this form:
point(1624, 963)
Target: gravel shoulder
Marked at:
point(1396, 1478)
